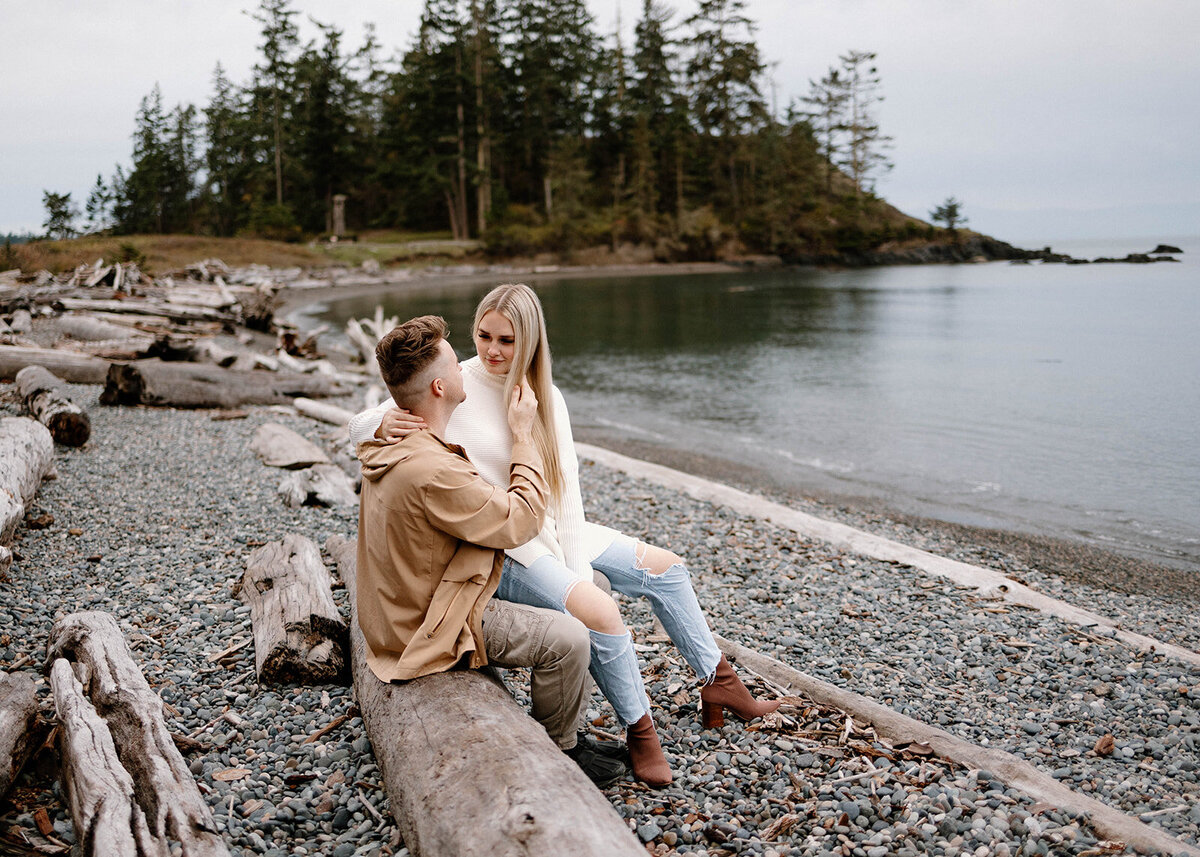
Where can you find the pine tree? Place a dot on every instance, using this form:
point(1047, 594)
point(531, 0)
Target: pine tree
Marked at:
point(228, 157)
point(60, 215)
point(274, 76)
point(98, 206)
point(863, 155)
point(828, 98)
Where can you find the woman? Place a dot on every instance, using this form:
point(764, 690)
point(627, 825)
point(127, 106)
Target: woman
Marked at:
point(555, 570)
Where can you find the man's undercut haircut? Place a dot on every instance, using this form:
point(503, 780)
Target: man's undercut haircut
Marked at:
point(405, 352)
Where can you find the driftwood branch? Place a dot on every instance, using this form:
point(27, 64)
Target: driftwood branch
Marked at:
point(26, 456)
point(68, 365)
point(163, 789)
point(43, 396)
point(467, 771)
point(299, 635)
point(190, 385)
point(323, 411)
point(19, 733)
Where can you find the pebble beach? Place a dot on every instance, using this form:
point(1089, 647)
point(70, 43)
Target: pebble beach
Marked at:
point(153, 519)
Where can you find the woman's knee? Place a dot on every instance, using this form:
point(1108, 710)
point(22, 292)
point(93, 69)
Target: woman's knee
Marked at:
point(655, 560)
point(594, 608)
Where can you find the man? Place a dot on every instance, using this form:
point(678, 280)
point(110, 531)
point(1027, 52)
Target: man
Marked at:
point(431, 537)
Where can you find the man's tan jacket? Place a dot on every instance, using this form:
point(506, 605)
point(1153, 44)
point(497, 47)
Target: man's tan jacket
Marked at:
point(431, 536)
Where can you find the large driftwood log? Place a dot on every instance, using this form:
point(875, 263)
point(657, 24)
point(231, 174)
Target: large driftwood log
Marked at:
point(175, 312)
point(189, 385)
point(26, 455)
point(43, 396)
point(299, 635)
point(163, 788)
point(319, 485)
point(279, 446)
point(68, 365)
point(100, 793)
point(19, 733)
point(89, 328)
point(467, 771)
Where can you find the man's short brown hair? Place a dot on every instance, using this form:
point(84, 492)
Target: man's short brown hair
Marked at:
point(408, 350)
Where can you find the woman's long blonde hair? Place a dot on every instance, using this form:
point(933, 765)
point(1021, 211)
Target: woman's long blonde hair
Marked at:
point(531, 360)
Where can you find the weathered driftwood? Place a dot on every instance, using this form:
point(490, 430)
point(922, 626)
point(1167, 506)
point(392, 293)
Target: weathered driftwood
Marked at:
point(6, 559)
point(22, 321)
point(163, 788)
point(89, 328)
point(299, 635)
point(175, 312)
point(26, 456)
point(191, 385)
point(467, 771)
point(319, 485)
point(279, 446)
point(43, 396)
point(68, 365)
point(19, 733)
point(100, 792)
point(323, 411)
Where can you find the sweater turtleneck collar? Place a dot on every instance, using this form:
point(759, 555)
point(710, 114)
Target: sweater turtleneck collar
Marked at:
point(475, 366)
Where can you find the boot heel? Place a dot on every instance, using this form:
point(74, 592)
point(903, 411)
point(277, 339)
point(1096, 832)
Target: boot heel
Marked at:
point(712, 714)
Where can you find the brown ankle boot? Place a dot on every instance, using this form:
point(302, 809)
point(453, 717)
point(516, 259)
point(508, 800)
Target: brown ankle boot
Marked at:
point(728, 692)
point(646, 755)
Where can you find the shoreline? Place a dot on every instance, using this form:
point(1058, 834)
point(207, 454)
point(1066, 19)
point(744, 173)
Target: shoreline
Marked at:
point(1063, 556)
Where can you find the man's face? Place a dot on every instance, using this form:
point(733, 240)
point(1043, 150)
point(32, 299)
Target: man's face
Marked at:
point(451, 374)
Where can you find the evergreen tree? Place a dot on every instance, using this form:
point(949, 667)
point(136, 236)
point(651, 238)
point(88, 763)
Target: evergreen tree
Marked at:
point(723, 72)
point(950, 214)
point(273, 78)
point(60, 215)
point(863, 155)
point(98, 206)
point(228, 157)
point(828, 98)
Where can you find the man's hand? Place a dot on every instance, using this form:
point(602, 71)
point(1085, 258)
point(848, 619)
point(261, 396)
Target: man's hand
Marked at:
point(398, 424)
point(521, 412)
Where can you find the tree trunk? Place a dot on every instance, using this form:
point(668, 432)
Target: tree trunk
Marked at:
point(190, 385)
point(68, 365)
point(42, 394)
point(483, 192)
point(19, 732)
point(279, 446)
point(299, 635)
point(162, 786)
point(467, 771)
point(26, 456)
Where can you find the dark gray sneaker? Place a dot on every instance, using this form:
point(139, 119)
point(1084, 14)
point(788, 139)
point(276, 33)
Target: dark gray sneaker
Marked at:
point(611, 749)
point(603, 770)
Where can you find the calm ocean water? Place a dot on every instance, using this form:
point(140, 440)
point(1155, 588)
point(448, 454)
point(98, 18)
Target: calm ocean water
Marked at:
point(1062, 400)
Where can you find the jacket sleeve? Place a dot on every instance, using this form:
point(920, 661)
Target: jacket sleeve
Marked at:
point(463, 504)
point(568, 513)
point(363, 425)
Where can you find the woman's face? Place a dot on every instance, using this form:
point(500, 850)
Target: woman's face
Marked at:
point(495, 343)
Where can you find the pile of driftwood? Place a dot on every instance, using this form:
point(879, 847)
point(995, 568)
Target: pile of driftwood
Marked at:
point(111, 325)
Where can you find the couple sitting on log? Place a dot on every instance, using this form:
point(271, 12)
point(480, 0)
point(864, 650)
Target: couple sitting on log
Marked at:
point(441, 533)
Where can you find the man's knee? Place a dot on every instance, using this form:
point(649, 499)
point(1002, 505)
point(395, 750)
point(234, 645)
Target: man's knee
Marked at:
point(566, 641)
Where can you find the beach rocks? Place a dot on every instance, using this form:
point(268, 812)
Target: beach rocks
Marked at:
point(153, 520)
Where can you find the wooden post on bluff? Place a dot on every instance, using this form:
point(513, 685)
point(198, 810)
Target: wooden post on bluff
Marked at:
point(467, 771)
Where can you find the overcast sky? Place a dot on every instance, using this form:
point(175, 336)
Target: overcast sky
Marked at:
point(1054, 119)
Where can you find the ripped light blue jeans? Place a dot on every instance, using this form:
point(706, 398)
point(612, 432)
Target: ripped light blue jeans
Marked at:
point(614, 665)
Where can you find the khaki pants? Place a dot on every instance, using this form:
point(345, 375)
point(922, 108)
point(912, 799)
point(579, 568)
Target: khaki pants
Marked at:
point(556, 648)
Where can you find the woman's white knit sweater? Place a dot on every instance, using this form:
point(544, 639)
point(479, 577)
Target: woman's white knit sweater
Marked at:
point(480, 425)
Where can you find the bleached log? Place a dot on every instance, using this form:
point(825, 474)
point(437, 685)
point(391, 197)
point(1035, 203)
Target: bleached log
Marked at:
point(68, 365)
point(319, 485)
point(100, 792)
point(323, 411)
point(88, 328)
point(19, 732)
point(194, 385)
point(365, 345)
point(6, 559)
point(26, 456)
point(279, 446)
point(43, 396)
point(299, 635)
point(175, 312)
point(163, 789)
point(467, 771)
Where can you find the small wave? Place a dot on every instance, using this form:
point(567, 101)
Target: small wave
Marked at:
point(629, 428)
point(841, 467)
point(986, 488)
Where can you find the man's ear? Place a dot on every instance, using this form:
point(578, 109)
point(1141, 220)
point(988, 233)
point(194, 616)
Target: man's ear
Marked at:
point(438, 387)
